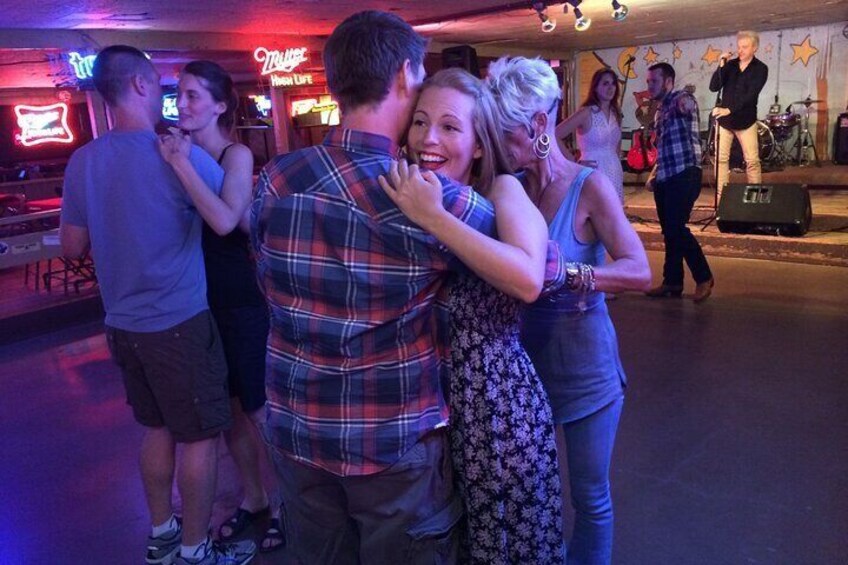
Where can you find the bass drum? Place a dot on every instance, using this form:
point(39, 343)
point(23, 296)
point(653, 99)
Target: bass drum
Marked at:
point(765, 141)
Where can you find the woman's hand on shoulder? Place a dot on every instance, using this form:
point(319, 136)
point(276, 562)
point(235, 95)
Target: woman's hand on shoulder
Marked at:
point(417, 193)
point(175, 145)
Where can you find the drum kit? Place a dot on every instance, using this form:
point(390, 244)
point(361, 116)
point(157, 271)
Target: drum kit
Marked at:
point(784, 138)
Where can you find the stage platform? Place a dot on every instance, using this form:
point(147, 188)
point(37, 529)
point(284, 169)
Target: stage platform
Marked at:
point(825, 244)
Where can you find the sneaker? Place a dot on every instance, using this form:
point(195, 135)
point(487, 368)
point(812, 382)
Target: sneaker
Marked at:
point(162, 550)
point(236, 553)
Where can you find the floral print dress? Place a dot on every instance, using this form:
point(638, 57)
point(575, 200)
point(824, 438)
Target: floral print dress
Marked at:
point(502, 434)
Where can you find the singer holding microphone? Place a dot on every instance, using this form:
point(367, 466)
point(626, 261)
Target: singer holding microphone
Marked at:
point(742, 79)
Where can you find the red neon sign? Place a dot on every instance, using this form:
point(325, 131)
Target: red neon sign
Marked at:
point(43, 124)
point(280, 62)
point(285, 62)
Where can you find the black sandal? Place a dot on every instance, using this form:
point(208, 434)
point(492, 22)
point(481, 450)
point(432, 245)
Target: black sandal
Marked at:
point(275, 535)
point(240, 521)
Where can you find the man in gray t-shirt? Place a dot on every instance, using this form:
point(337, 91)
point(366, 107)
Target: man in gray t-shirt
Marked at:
point(124, 203)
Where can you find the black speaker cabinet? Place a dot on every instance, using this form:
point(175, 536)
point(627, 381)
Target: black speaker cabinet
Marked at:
point(463, 56)
point(840, 140)
point(774, 209)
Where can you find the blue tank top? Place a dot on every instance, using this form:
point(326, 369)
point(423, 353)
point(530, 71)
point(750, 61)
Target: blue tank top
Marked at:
point(572, 345)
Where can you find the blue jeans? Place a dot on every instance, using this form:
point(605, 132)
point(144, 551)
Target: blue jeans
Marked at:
point(674, 198)
point(589, 442)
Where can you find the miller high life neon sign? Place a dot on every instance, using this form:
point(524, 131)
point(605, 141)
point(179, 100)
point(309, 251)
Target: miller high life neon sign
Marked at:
point(43, 124)
point(83, 65)
point(285, 62)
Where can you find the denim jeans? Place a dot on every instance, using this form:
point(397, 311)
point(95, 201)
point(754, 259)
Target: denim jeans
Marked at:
point(589, 442)
point(674, 198)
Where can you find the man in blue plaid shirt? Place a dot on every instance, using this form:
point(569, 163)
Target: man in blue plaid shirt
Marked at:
point(676, 182)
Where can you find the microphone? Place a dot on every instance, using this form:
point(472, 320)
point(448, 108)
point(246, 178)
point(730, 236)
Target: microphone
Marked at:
point(630, 59)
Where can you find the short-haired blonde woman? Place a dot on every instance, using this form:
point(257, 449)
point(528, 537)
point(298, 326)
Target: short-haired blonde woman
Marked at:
point(571, 340)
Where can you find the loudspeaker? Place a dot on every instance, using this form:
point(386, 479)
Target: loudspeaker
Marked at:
point(462, 56)
point(774, 209)
point(840, 140)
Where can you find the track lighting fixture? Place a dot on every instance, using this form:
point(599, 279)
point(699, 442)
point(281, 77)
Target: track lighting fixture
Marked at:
point(581, 22)
point(619, 11)
point(548, 24)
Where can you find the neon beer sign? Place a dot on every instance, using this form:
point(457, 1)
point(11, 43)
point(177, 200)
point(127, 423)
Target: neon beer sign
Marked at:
point(169, 107)
point(325, 106)
point(43, 124)
point(263, 104)
point(83, 65)
point(280, 62)
point(280, 66)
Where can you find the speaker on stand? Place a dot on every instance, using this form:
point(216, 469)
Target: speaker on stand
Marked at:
point(772, 209)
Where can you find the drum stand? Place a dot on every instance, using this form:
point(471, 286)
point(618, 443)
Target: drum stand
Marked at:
point(805, 138)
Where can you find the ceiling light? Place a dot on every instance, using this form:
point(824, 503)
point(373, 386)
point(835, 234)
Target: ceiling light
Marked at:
point(548, 24)
point(619, 11)
point(581, 22)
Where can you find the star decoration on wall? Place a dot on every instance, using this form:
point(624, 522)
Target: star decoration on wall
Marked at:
point(677, 53)
point(803, 51)
point(651, 56)
point(711, 55)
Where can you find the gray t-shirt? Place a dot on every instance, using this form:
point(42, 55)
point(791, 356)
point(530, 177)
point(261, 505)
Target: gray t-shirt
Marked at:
point(144, 229)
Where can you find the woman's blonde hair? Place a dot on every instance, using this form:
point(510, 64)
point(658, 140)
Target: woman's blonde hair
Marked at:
point(484, 118)
point(522, 88)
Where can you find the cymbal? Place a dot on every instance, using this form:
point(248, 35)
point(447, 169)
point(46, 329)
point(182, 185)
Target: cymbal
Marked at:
point(807, 102)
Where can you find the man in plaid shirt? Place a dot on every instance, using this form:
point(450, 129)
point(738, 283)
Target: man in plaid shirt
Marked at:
point(356, 411)
point(676, 181)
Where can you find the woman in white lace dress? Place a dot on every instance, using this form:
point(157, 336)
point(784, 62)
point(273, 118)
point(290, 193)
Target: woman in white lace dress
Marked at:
point(597, 125)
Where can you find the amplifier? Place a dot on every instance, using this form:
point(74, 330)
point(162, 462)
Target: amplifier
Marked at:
point(774, 209)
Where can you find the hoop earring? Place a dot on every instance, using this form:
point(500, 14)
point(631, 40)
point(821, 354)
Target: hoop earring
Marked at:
point(542, 146)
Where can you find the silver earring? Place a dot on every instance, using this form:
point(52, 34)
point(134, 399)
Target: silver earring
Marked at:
point(542, 146)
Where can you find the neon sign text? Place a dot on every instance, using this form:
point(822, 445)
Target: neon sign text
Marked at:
point(295, 79)
point(263, 104)
point(82, 64)
point(280, 62)
point(326, 107)
point(169, 107)
point(43, 124)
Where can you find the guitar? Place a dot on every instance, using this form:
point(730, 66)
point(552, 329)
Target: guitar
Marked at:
point(642, 155)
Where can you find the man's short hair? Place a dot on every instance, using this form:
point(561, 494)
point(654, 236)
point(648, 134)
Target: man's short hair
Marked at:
point(114, 67)
point(749, 34)
point(365, 52)
point(665, 69)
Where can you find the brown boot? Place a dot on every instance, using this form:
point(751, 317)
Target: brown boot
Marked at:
point(665, 291)
point(703, 290)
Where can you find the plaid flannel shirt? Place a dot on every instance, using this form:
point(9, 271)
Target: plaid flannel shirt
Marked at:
point(678, 137)
point(356, 356)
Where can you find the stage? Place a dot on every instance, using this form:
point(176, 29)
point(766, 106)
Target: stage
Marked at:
point(826, 243)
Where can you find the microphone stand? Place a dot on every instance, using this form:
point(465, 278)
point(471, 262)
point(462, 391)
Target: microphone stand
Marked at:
point(716, 130)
